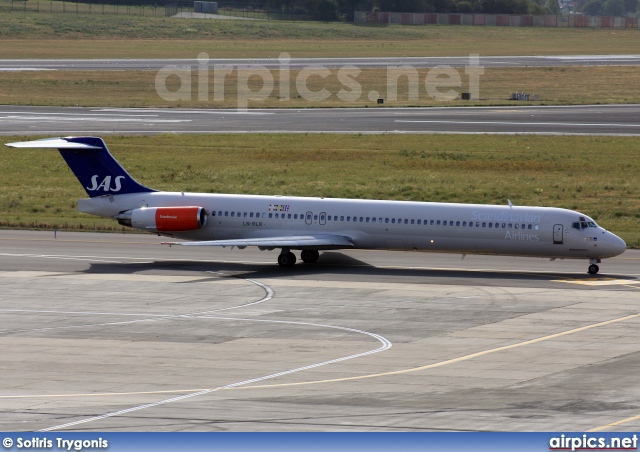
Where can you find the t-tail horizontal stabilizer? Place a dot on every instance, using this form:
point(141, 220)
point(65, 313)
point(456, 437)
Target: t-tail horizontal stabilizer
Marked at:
point(88, 157)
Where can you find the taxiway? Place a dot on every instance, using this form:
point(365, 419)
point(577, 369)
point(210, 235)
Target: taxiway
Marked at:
point(116, 332)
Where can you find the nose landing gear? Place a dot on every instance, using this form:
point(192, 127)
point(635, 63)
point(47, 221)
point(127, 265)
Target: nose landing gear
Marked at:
point(593, 268)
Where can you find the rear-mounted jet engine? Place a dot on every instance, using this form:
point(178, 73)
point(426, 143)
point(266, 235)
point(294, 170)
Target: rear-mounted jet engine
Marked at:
point(165, 219)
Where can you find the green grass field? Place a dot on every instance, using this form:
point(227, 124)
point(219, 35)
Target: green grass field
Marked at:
point(27, 34)
point(594, 175)
point(558, 86)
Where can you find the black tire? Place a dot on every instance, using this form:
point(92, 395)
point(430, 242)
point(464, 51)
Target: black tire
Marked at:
point(593, 269)
point(309, 256)
point(287, 260)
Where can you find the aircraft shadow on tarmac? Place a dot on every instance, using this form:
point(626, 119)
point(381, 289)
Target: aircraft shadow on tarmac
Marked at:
point(336, 265)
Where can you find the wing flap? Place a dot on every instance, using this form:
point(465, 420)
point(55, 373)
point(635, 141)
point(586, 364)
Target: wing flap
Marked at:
point(295, 242)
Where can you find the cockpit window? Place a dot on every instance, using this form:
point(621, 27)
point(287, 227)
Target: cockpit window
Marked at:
point(582, 224)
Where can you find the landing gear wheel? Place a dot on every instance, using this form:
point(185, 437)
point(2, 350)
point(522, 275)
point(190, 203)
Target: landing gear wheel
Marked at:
point(309, 256)
point(593, 269)
point(287, 259)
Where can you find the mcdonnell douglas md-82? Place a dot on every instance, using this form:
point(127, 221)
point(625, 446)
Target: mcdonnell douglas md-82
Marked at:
point(314, 224)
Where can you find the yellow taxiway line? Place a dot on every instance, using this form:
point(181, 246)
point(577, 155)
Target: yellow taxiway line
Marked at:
point(359, 377)
point(613, 424)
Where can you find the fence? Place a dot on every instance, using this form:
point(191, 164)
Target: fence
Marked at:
point(499, 20)
point(130, 9)
point(184, 9)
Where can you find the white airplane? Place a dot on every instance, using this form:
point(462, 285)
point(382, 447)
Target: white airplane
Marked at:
point(314, 224)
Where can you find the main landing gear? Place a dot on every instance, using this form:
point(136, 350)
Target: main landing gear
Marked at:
point(309, 256)
point(288, 259)
point(593, 268)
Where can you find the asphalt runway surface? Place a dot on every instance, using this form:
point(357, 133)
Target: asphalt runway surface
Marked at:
point(618, 120)
point(280, 60)
point(116, 332)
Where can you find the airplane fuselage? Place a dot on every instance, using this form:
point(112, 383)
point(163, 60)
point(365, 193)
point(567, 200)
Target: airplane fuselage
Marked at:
point(371, 224)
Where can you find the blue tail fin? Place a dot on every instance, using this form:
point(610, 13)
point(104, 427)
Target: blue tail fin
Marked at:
point(88, 157)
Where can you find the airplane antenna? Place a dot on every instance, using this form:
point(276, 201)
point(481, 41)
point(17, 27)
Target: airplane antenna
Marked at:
point(510, 205)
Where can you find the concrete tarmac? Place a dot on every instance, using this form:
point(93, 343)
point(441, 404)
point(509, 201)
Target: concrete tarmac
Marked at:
point(614, 120)
point(116, 332)
point(284, 61)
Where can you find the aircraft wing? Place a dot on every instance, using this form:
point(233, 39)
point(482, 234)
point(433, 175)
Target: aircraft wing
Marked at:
point(318, 242)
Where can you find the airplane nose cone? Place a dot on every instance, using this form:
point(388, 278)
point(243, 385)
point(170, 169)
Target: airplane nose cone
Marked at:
point(618, 246)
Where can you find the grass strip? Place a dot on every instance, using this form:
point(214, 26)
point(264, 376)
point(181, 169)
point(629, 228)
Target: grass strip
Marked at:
point(556, 85)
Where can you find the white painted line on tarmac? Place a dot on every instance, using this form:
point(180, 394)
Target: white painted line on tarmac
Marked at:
point(512, 123)
point(385, 345)
point(101, 119)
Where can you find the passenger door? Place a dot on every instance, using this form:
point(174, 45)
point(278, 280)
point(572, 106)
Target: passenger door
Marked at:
point(557, 234)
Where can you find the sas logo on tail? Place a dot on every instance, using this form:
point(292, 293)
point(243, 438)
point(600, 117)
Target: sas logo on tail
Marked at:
point(105, 185)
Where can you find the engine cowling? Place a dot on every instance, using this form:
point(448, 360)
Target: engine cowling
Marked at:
point(169, 219)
